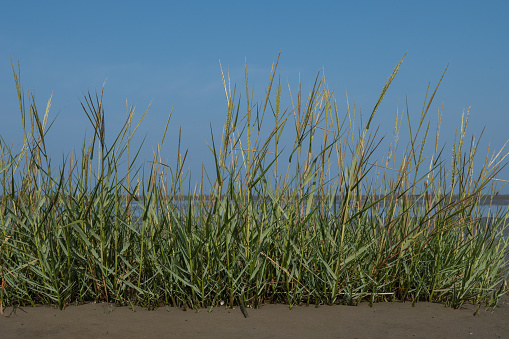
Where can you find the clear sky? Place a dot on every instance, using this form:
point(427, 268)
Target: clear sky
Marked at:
point(167, 53)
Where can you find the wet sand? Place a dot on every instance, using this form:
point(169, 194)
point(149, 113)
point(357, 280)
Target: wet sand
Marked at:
point(383, 320)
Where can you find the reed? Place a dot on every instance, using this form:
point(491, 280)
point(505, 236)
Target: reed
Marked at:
point(265, 225)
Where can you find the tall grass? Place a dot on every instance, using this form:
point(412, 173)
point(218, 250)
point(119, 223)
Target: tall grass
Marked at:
point(271, 226)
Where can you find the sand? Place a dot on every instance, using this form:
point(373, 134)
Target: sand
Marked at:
point(383, 320)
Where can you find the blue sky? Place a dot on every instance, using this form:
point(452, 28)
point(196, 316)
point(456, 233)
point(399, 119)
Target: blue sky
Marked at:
point(167, 53)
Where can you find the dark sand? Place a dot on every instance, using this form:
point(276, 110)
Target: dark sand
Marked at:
point(383, 320)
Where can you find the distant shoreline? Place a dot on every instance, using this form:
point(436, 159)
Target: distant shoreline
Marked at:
point(496, 200)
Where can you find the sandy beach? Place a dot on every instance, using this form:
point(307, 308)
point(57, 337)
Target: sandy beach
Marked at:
point(383, 320)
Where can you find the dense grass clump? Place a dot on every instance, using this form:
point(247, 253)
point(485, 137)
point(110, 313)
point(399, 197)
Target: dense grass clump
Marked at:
point(269, 227)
